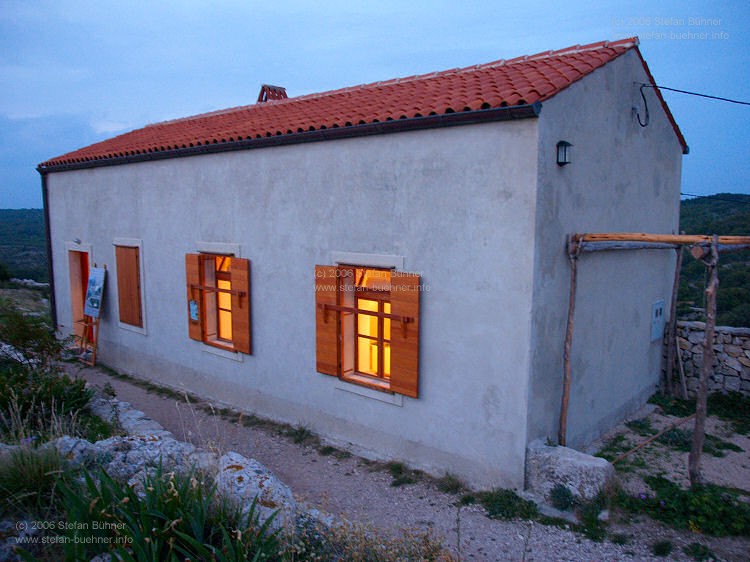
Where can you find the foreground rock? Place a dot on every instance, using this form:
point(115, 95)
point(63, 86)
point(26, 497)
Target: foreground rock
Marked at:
point(585, 476)
point(244, 480)
point(131, 458)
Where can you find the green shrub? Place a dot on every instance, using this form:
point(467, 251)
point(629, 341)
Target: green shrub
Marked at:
point(673, 406)
point(359, 543)
point(401, 474)
point(29, 480)
point(662, 548)
point(450, 484)
point(710, 509)
point(32, 338)
point(641, 426)
point(177, 517)
point(561, 497)
point(506, 504)
point(299, 434)
point(39, 404)
point(588, 513)
point(732, 407)
point(698, 551)
point(682, 440)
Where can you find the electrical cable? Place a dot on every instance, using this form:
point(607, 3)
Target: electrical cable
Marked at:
point(694, 94)
point(645, 103)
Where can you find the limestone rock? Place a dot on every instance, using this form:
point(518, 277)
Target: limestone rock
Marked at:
point(133, 453)
point(77, 451)
point(241, 480)
point(585, 476)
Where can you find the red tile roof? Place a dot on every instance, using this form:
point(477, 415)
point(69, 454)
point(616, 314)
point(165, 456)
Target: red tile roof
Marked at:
point(510, 83)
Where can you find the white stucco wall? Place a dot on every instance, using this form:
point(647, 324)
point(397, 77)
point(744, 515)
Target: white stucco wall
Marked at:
point(458, 204)
point(623, 178)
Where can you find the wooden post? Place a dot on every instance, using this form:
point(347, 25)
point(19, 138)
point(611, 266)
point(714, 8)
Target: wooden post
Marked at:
point(574, 250)
point(683, 384)
point(699, 431)
point(671, 336)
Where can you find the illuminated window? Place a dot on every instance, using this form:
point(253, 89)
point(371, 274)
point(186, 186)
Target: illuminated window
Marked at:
point(219, 300)
point(217, 303)
point(366, 329)
point(367, 326)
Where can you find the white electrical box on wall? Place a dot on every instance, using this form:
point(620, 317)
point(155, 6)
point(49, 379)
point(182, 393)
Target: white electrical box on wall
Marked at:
point(658, 320)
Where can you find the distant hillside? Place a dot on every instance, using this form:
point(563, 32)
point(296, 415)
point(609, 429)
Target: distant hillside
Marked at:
point(22, 243)
point(724, 214)
point(22, 250)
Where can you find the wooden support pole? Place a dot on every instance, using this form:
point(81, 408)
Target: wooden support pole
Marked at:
point(683, 384)
point(699, 431)
point(573, 253)
point(671, 336)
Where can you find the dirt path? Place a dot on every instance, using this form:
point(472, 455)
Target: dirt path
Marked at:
point(358, 491)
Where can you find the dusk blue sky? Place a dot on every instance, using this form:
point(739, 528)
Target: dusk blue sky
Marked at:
point(76, 72)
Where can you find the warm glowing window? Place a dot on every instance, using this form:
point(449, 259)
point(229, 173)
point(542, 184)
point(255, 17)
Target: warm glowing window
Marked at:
point(223, 298)
point(373, 326)
point(367, 326)
point(218, 300)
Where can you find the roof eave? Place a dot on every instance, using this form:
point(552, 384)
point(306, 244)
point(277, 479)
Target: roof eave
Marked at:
point(377, 128)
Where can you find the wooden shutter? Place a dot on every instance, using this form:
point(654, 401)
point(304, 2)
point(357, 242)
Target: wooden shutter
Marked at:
point(241, 336)
point(405, 289)
point(193, 279)
point(326, 321)
point(128, 285)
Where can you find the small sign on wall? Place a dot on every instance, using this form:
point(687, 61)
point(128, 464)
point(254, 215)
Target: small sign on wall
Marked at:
point(94, 292)
point(193, 308)
point(658, 320)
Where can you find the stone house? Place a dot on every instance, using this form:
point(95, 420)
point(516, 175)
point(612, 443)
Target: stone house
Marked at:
point(385, 264)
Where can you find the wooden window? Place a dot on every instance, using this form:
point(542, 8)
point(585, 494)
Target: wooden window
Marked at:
point(129, 302)
point(218, 295)
point(367, 326)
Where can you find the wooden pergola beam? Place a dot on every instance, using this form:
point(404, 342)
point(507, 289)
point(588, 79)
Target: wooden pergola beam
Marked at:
point(579, 243)
point(679, 239)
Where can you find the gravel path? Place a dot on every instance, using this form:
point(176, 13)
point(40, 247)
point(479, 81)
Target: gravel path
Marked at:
point(360, 491)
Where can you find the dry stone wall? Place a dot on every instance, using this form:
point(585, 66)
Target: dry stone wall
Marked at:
point(731, 357)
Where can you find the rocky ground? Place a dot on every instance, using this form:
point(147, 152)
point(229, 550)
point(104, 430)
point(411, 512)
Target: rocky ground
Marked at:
point(360, 491)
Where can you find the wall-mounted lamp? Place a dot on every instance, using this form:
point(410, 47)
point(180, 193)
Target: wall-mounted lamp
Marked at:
point(77, 241)
point(563, 153)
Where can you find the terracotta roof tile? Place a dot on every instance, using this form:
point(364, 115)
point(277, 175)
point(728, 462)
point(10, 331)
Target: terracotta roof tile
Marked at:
point(503, 83)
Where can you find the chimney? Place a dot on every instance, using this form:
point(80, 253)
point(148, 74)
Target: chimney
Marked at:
point(270, 93)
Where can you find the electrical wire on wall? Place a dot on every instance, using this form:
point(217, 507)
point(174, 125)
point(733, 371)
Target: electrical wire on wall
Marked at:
point(693, 94)
point(645, 102)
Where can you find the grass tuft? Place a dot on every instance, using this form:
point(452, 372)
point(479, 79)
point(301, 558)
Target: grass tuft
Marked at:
point(506, 504)
point(561, 497)
point(450, 484)
point(699, 552)
point(709, 509)
point(402, 475)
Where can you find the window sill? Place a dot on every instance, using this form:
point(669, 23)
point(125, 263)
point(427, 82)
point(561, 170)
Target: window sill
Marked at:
point(363, 386)
point(130, 328)
point(222, 351)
